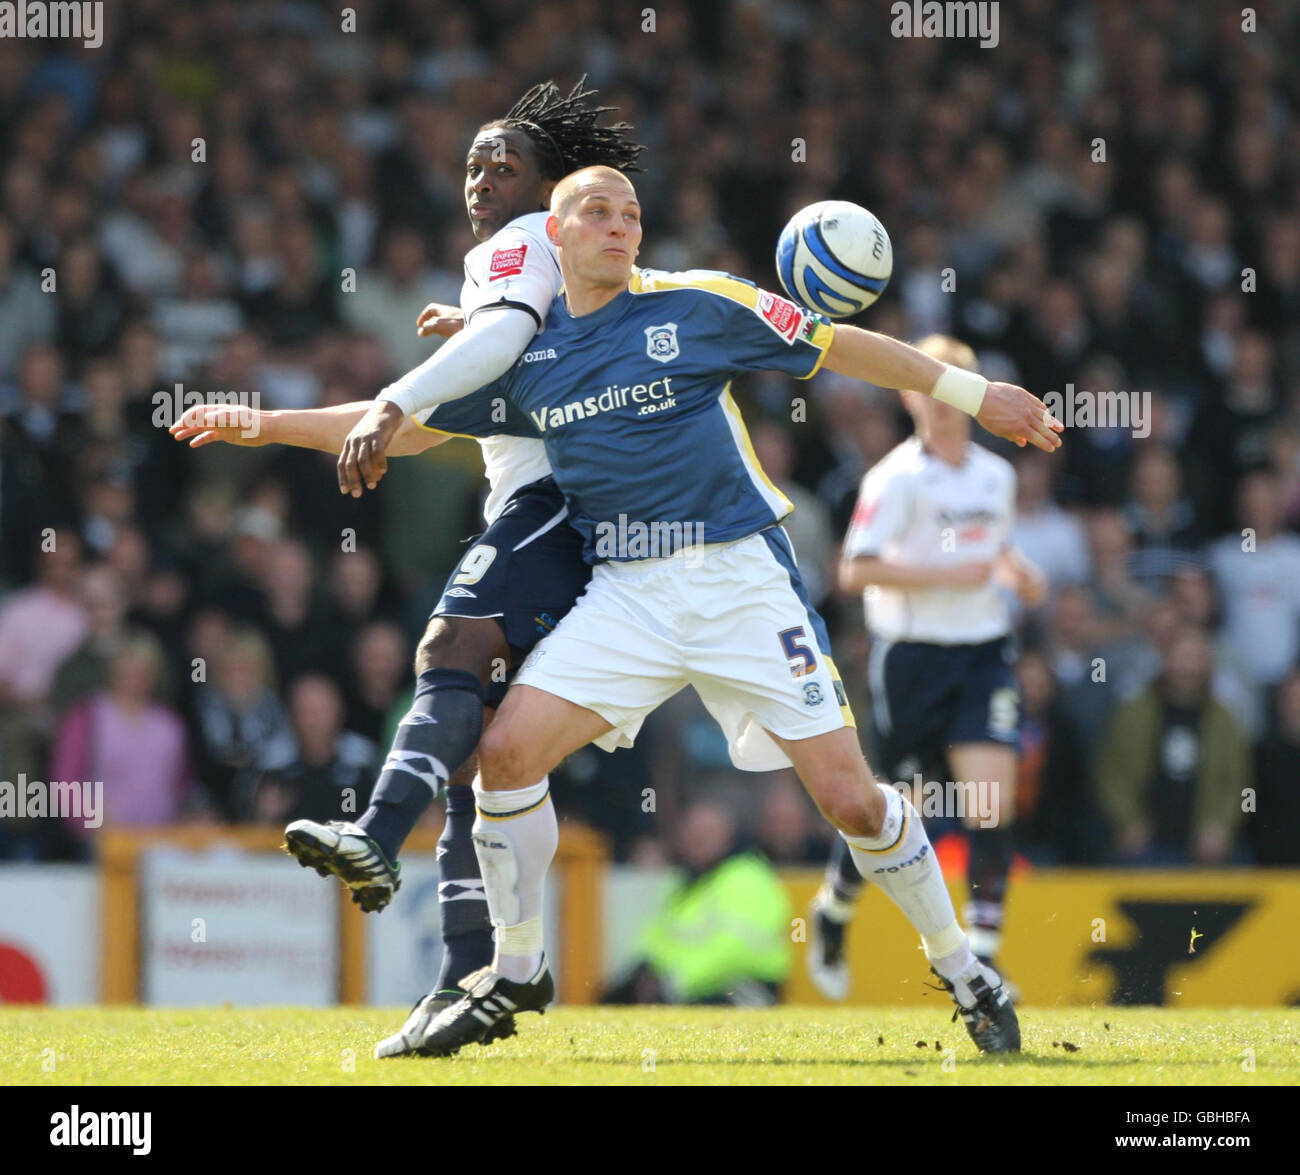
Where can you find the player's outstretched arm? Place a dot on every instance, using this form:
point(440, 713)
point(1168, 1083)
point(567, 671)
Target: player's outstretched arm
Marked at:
point(484, 351)
point(1004, 409)
point(310, 428)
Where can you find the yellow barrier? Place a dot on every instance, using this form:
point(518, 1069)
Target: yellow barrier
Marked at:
point(1078, 937)
point(579, 869)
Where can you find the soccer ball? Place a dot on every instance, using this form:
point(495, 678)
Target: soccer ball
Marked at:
point(834, 257)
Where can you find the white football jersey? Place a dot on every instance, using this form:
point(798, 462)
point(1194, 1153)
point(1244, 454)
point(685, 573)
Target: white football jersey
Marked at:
point(516, 266)
point(915, 508)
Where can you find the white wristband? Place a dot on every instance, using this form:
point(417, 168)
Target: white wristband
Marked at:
point(961, 388)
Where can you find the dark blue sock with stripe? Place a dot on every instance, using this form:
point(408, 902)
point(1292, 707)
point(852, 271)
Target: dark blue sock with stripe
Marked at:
point(435, 738)
point(462, 903)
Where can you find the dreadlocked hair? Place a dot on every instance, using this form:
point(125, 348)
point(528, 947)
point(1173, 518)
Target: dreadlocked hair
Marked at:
point(563, 130)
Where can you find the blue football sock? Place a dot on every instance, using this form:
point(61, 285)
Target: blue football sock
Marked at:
point(462, 903)
point(437, 735)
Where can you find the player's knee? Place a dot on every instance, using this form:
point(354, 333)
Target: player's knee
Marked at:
point(853, 804)
point(451, 642)
point(501, 758)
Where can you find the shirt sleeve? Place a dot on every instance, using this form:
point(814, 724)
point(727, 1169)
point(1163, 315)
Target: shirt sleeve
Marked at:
point(488, 412)
point(765, 332)
point(878, 518)
point(515, 268)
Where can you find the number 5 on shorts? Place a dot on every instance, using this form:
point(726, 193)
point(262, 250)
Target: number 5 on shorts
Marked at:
point(475, 563)
point(796, 652)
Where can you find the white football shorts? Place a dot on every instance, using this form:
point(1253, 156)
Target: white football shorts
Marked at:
point(731, 619)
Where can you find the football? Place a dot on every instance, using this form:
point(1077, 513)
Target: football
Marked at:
point(834, 257)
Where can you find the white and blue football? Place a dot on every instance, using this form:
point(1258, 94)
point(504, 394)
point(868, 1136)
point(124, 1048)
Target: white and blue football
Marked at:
point(834, 257)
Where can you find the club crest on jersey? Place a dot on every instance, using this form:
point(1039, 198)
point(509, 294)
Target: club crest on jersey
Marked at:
point(783, 317)
point(507, 262)
point(661, 342)
point(812, 694)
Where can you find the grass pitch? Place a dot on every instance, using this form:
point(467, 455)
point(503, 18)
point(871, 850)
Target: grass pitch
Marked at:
point(650, 1046)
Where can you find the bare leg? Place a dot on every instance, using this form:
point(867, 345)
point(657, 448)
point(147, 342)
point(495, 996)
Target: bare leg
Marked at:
point(886, 837)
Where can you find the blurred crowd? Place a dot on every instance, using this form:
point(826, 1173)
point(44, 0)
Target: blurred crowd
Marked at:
point(253, 198)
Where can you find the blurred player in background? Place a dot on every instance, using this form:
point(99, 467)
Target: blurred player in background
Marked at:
point(519, 577)
point(929, 548)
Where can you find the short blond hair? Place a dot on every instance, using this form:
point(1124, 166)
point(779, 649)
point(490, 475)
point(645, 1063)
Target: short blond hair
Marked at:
point(572, 184)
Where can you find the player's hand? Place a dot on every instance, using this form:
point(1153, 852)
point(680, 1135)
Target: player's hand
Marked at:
point(233, 424)
point(362, 460)
point(440, 320)
point(1018, 415)
point(970, 574)
point(1014, 571)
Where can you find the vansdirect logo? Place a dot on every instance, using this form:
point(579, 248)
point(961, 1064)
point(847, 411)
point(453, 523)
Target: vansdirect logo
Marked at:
point(646, 398)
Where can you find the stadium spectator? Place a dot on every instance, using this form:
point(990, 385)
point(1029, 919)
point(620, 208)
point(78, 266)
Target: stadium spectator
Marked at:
point(1050, 537)
point(1258, 575)
point(332, 773)
point(1192, 593)
point(380, 677)
point(125, 739)
point(242, 725)
point(388, 299)
point(1277, 772)
point(1174, 767)
point(722, 936)
point(86, 669)
point(39, 627)
point(27, 313)
point(789, 831)
point(1160, 519)
point(1057, 822)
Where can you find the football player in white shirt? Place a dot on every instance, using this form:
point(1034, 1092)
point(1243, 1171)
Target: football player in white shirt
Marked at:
point(520, 576)
point(929, 548)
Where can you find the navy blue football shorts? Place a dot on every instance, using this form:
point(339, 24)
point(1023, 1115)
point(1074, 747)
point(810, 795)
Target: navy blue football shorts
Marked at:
point(525, 572)
point(927, 698)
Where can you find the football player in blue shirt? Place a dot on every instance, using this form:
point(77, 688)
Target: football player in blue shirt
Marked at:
point(694, 580)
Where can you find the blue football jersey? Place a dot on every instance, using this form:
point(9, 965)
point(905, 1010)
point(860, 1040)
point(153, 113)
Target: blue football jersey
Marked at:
point(634, 405)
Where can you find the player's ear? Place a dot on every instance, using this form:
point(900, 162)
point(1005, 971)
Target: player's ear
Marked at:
point(544, 193)
point(553, 229)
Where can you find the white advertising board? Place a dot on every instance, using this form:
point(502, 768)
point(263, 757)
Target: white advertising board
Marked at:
point(49, 934)
point(237, 927)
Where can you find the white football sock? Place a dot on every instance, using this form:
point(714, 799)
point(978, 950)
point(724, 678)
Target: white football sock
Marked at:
point(515, 836)
point(901, 861)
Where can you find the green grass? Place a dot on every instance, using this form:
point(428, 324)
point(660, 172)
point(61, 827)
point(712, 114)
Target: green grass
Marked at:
point(654, 1046)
